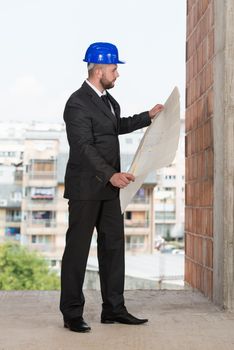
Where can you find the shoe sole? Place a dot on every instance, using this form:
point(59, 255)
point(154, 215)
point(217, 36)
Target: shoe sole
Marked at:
point(131, 324)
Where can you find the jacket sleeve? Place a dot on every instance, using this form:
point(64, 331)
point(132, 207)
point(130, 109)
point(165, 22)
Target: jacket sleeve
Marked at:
point(135, 122)
point(81, 142)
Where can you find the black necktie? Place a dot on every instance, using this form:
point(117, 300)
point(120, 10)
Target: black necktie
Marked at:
point(105, 99)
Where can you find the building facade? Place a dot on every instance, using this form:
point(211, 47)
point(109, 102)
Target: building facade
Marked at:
point(32, 207)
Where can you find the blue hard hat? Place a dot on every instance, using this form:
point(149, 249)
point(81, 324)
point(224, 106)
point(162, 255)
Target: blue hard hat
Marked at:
point(102, 53)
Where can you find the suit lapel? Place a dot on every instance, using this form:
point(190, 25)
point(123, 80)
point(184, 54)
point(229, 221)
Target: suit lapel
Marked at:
point(100, 104)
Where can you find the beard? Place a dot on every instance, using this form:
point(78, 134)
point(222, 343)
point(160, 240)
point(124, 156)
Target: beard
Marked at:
point(106, 84)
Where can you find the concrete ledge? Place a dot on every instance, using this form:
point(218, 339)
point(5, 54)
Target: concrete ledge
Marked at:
point(30, 320)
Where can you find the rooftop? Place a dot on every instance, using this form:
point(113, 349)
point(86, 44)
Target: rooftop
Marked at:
point(177, 320)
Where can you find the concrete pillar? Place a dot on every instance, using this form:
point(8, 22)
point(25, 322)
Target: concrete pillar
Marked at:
point(223, 274)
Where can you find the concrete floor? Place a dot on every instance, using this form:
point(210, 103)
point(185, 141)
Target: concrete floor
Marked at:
point(178, 320)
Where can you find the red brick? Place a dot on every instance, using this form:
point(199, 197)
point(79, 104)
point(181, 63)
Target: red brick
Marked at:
point(199, 146)
point(198, 194)
point(193, 117)
point(198, 86)
point(199, 58)
point(209, 228)
point(209, 75)
point(188, 270)
point(199, 9)
point(199, 278)
point(199, 215)
point(189, 245)
point(204, 51)
point(208, 283)
point(194, 275)
point(209, 253)
point(199, 139)
point(205, 4)
point(192, 90)
point(201, 165)
point(211, 44)
point(205, 24)
point(187, 219)
point(211, 14)
point(188, 119)
point(195, 64)
point(190, 4)
point(188, 144)
point(194, 168)
point(208, 193)
point(209, 163)
point(203, 80)
point(187, 72)
point(188, 194)
point(208, 134)
point(210, 103)
point(189, 95)
point(194, 220)
point(193, 139)
point(207, 222)
point(199, 250)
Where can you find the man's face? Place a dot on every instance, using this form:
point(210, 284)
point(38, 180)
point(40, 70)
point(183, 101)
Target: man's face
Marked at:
point(109, 76)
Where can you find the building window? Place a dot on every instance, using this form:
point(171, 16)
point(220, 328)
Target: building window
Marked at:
point(165, 215)
point(128, 215)
point(41, 239)
point(13, 215)
point(42, 192)
point(135, 242)
point(45, 218)
point(42, 168)
point(16, 196)
point(12, 232)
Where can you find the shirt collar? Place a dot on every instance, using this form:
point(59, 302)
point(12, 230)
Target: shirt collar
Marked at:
point(95, 89)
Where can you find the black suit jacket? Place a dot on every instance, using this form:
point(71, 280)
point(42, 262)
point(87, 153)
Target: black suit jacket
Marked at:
point(92, 132)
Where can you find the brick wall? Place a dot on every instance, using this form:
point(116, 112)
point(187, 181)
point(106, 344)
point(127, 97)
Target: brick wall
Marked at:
point(199, 146)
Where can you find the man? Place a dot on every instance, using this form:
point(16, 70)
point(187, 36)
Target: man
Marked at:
point(92, 182)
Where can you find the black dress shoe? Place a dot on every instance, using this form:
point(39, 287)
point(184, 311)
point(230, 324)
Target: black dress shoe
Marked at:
point(77, 325)
point(124, 318)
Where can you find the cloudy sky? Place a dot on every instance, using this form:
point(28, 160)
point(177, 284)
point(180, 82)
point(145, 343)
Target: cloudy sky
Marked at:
point(43, 43)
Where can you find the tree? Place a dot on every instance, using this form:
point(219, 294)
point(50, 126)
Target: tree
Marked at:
point(21, 269)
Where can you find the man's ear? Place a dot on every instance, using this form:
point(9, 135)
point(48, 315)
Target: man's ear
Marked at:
point(99, 72)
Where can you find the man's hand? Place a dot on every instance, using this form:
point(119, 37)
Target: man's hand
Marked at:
point(155, 110)
point(121, 180)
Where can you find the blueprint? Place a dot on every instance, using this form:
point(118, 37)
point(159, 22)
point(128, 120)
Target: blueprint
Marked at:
point(157, 148)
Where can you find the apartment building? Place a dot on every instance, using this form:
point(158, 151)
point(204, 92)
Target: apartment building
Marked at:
point(39, 203)
point(168, 193)
point(169, 196)
point(32, 207)
point(11, 170)
point(139, 215)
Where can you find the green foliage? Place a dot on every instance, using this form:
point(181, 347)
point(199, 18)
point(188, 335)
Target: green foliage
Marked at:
point(21, 269)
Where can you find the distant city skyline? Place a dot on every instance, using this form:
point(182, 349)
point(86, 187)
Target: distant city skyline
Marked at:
point(43, 45)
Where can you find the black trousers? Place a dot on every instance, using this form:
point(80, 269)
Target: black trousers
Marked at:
point(83, 217)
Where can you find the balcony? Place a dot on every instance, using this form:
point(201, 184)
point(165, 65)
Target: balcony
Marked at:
point(138, 206)
point(13, 219)
point(131, 230)
point(42, 247)
point(131, 223)
point(41, 223)
point(40, 204)
point(165, 215)
point(141, 200)
point(42, 175)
